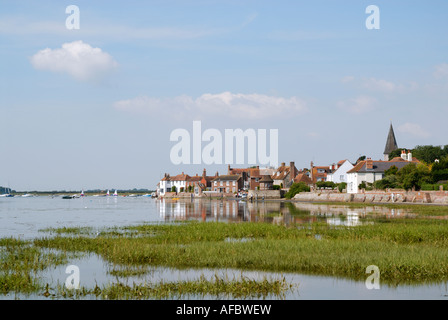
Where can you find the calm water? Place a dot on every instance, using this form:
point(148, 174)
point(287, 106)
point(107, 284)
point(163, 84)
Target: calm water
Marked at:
point(26, 217)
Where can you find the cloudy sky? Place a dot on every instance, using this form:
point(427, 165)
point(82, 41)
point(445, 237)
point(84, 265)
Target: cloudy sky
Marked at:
point(94, 107)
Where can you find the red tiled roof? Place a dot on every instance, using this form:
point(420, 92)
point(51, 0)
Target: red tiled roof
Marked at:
point(301, 177)
point(180, 177)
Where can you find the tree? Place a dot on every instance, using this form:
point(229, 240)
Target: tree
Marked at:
point(389, 181)
point(413, 176)
point(361, 158)
point(391, 171)
point(326, 184)
point(439, 170)
point(342, 186)
point(296, 188)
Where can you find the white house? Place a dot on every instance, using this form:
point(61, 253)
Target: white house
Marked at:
point(167, 183)
point(370, 171)
point(340, 174)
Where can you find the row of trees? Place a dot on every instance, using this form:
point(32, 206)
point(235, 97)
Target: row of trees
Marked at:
point(428, 174)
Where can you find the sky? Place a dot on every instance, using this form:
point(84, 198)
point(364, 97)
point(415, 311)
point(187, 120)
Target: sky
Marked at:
point(95, 106)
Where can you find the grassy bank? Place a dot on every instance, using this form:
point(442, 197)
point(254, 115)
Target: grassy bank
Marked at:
point(405, 250)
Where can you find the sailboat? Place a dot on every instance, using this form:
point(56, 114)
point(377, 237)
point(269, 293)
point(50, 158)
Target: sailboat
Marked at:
point(82, 193)
point(7, 194)
point(115, 193)
point(107, 192)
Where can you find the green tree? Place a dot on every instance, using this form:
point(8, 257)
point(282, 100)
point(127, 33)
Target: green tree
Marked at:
point(389, 181)
point(413, 176)
point(391, 171)
point(342, 186)
point(296, 188)
point(439, 170)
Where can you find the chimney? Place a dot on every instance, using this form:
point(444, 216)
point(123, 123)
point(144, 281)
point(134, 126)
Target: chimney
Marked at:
point(204, 173)
point(228, 169)
point(403, 155)
point(409, 156)
point(292, 170)
point(369, 164)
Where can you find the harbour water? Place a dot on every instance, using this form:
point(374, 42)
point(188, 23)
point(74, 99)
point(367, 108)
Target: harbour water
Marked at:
point(28, 217)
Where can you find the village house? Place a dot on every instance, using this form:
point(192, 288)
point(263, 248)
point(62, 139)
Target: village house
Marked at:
point(319, 173)
point(338, 171)
point(251, 176)
point(369, 171)
point(284, 175)
point(266, 182)
point(185, 183)
point(198, 184)
point(227, 183)
point(303, 177)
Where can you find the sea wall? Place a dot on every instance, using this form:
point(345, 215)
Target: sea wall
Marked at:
point(266, 194)
point(399, 196)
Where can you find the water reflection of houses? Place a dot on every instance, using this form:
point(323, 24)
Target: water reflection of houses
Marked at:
point(213, 210)
point(229, 210)
point(276, 212)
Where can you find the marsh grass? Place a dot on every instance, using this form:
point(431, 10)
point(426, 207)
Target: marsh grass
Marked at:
point(405, 250)
point(20, 263)
point(221, 287)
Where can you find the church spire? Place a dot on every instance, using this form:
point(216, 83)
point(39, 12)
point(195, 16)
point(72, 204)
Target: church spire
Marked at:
point(391, 143)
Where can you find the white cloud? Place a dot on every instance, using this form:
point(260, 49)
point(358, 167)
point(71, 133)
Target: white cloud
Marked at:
point(78, 59)
point(441, 70)
point(380, 85)
point(226, 104)
point(347, 79)
point(413, 129)
point(358, 105)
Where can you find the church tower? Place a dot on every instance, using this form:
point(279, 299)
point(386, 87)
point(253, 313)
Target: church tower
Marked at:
point(391, 143)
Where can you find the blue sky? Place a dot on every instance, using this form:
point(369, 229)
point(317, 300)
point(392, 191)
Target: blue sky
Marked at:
point(310, 69)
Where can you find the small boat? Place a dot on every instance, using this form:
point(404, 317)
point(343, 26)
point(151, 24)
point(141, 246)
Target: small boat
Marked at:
point(68, 197)
point(27, 195)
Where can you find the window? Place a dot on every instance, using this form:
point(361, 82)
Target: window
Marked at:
point(216, 183)
point(234, 183)
point(227, 183)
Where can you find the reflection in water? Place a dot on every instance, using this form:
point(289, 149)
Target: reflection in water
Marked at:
point(277, 212)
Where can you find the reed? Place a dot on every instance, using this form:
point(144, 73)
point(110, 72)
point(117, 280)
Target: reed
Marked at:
point(20, 263)
point(217, 287)
point(406, 250)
